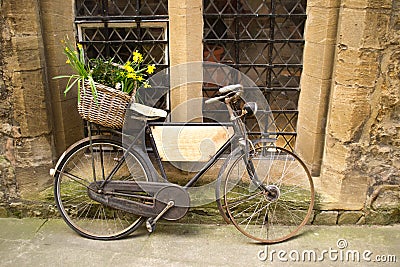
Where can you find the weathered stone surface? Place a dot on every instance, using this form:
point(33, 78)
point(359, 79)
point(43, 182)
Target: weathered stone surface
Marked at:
point(361, 146)
point(321, 26)
point(382, 218)
point(357, 68)
point(324, 3)
point(350, 217)
point(318, 58)
point(326, 218)
point(185, 20)
point(3, 212)
point(362, 4)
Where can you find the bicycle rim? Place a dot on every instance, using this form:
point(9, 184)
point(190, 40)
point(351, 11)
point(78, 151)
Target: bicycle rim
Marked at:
point(269, 217)
point(84, 215)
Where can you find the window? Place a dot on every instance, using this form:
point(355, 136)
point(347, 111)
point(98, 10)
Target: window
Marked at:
point(264, 40)
point(116, 28)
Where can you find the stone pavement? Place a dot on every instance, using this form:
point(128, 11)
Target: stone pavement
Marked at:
point(39, 242)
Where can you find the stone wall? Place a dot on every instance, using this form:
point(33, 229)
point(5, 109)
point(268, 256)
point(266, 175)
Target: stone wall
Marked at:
point(8, 184)
point(349, 108)
point(349, 120)
point(379, 152)
point(25, 132)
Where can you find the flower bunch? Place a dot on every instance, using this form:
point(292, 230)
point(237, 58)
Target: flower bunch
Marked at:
point(127, 77)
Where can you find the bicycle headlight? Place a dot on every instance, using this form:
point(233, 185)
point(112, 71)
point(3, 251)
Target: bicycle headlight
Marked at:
point(250, 108)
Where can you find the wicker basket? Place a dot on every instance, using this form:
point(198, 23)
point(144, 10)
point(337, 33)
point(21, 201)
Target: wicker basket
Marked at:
point(108, 111)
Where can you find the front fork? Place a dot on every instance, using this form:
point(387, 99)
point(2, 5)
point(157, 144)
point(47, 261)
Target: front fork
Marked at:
point(251, 170)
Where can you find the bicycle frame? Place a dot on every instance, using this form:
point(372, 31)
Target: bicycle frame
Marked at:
point(207, 165)
point(239, 134)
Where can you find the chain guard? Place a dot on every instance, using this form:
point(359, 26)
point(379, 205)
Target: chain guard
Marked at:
point(163, 193)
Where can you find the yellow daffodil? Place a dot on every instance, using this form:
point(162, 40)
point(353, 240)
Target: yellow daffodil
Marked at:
point(79, 46)
point(150, 69)
point(146, 85)
point(128, 68)
point(68, 61)
point(137, 57)
point(131, 75)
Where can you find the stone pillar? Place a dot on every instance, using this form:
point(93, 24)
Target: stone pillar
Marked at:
point(28, 131)
point(356, 83)
point(58, 22)
point(185, 40)
point(319, 52)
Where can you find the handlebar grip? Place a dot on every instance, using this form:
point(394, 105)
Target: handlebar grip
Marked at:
point(214, 99)
point(230, 88)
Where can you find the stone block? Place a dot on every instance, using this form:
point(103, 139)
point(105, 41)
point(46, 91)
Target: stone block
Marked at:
point(313, 103)
point(382, 218)
point(309, 147)
point(22, 16)
point(351, 27)
point(335, 157)
point(376, 27)
point(350, 108)
point(32, 179)
point(324, 3)
point(357, 67)
point(27, 51)
point(30, 104)
point(185, 20)
point(363, 4)
point(3, 212)
point(350, 217)
point(318, 60)
point(326, 218)
point(387, 200)
point(54, 50)
point(321, 25)
point(31, 152)
point(52, 8)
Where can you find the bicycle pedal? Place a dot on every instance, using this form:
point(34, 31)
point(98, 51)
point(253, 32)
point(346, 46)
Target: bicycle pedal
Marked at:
point(150, 225)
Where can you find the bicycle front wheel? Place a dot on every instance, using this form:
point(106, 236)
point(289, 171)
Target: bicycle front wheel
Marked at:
point(73, 176)
point(273, 204)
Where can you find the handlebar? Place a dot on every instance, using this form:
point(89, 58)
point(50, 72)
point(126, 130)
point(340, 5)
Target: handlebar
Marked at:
point(214, 99)
point(230, 88)
point(234, 88)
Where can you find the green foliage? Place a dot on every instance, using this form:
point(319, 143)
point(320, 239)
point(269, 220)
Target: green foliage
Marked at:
point(127, 77)
point(76, 59)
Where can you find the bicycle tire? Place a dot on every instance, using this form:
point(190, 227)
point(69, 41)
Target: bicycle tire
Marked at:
point(85, 216)
point(277, 216)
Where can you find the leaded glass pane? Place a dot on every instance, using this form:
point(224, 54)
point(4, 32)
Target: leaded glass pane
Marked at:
point(263, 39)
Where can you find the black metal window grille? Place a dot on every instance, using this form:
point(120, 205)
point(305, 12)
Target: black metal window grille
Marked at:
point(264, 40)
point(117, 28)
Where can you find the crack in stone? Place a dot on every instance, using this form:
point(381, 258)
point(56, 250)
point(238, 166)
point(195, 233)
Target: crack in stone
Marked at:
point(41, 226)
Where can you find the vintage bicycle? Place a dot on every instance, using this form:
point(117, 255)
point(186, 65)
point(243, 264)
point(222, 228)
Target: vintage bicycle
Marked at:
point(105, 188)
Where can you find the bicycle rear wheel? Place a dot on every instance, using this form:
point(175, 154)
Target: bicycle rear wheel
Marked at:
point(87, 217)
point(277, 209)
